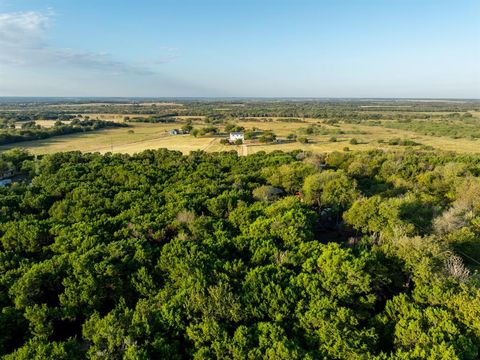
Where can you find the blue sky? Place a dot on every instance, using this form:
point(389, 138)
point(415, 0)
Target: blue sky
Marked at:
point(278, 48)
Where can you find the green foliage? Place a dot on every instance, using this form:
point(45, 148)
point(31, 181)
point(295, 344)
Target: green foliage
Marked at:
point(330, 189)
point(402, 142)
point(451, 127)
point(249, 135)
point(289, 177)
point(267, 193)
point(208, 130)
point(31, 131)
point(391, 217)
point(161, 255)
point(267, 137)
point(187, 128)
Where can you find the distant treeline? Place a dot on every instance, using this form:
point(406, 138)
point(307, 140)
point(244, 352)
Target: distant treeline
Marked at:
point(160, 118)
point(26, 116)
point(286, 108)
point(35, 133)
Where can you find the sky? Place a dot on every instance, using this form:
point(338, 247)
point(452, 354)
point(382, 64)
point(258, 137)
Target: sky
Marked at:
point(240, 48)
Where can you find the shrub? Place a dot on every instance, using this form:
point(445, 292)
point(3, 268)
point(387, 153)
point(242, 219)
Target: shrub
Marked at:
point(267, 136)
point(248, 135)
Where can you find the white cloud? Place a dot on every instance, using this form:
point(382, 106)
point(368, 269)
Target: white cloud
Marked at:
point(24, 42)
point(23, 27)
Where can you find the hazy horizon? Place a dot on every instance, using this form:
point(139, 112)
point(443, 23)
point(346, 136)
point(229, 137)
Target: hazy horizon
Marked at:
point(303, 98)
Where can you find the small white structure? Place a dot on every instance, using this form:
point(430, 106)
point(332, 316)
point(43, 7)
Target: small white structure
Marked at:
point(234, 136)
point(174, 132)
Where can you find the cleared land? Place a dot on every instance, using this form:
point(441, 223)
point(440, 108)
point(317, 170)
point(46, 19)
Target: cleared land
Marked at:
point(142, 136)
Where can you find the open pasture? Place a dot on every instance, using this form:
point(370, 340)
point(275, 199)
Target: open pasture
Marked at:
point(142, 136)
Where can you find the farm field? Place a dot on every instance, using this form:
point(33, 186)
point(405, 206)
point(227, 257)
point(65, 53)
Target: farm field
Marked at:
point(118, 140)
point(142, 136)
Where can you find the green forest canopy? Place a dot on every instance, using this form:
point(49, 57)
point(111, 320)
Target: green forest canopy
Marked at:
point(360, 255)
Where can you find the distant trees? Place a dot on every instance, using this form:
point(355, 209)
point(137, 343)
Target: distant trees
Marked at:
point(159, 118)
point(30, 125)
point(249, 135)
point(32, 131)
point(187, 128)
point(454, 127)
point(233, 128)
point(267, 137)
point(208, 130)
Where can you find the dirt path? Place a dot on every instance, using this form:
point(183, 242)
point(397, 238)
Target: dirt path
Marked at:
point(244, 150)
point(209, 144)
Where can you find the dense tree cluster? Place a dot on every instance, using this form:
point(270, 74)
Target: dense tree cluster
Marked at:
point(280, 256)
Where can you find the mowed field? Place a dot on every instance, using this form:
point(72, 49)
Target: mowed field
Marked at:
point(143, 136)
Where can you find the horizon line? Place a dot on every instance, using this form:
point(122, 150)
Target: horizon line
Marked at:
point(240, 97)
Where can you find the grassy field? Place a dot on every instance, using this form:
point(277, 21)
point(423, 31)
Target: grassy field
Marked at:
point(154, 136)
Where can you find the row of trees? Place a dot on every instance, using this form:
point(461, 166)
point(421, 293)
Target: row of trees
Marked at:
point(15, 116)
point(32, 131)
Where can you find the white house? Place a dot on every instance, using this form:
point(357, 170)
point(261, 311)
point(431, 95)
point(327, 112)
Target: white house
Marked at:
point(236, 136)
